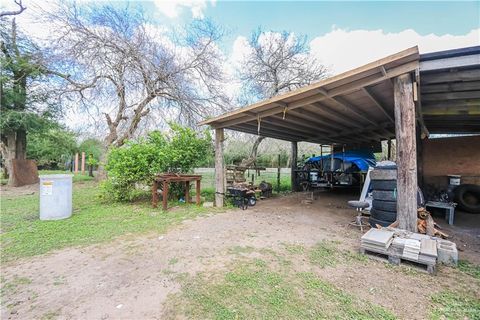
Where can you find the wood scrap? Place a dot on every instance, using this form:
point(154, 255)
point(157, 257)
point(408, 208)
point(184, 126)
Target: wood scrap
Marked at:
point(430, 228)
point(426, 224)
point(394, 224)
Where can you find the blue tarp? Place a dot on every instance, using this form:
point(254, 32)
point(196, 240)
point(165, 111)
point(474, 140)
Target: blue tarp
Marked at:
point(361, 158)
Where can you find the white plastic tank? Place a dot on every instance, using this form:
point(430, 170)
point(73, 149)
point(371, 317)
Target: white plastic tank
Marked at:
point(55, 196)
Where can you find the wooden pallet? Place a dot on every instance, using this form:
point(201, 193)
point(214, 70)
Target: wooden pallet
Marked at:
point(396, 259)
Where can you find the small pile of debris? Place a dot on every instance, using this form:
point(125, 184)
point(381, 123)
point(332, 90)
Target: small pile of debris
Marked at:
point(425, 224)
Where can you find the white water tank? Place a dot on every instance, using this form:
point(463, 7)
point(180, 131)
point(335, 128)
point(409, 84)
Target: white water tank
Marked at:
point(55, 196)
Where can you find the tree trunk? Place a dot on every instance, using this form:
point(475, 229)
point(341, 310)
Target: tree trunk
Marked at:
point(101, 172)
point(253, 154)
point(14, 146)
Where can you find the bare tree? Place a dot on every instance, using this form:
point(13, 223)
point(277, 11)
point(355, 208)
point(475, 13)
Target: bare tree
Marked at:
point(20, 9)
point(119, 65)
point(276, 63)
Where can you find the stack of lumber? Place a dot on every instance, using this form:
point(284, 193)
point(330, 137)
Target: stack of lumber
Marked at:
point(377, 240)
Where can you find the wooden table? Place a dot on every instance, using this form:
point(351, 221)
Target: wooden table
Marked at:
point(165, 180)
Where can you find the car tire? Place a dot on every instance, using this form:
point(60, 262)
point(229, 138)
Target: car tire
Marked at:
point(383, 215)
point(374, 221)
point(468, 197)
point(388, 185)
point(384, 195)
point(252, 201)
point(383, 174)
point(385, 205)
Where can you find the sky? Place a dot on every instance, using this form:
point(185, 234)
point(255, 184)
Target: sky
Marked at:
point(342, 34)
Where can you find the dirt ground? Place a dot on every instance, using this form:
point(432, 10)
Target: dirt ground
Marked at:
point(131, 277)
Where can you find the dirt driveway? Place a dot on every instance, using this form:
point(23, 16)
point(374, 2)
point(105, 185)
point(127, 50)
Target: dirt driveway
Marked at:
point(131, 277)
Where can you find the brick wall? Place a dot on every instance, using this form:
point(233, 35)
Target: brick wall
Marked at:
point(444, 156)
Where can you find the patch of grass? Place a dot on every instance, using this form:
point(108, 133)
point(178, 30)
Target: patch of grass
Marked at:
point(12, 286)
point(355, 256)
point(240, 249)
point(252, 290)
point(469, 268)
point(50, 315)
point(454, 305)
point(324, 253)
point(93, 221)
point(172, 261)
point(294, 248)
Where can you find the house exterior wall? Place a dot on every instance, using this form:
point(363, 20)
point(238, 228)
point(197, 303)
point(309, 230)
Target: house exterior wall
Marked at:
point(456, 155)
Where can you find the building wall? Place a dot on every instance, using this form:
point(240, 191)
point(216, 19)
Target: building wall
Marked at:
point(457, 155)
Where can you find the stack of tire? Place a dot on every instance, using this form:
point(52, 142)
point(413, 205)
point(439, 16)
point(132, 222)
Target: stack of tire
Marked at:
point(383, 183)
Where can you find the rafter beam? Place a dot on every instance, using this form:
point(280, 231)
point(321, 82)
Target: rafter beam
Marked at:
point(380, 106)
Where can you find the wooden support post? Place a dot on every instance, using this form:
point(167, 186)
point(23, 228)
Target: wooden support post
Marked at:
point(154, 194)
point(419, 145)
point(406, 153)
point(76, 163)
point(83, 163)
point(294, 165)
point(219, 168)
point(187, 191)
point(165, 195)
point(197, 192)
point(389, 151)
point(278, 174)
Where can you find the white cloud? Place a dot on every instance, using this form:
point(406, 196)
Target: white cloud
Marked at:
point(346, 49)
point(172, 8)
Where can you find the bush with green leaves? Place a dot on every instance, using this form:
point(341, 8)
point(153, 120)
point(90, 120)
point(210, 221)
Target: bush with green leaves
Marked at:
point(137, 162)
point(52, 146)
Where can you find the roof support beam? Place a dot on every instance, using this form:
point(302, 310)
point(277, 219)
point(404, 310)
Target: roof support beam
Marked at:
point(269, 135)
point(380, 106)
point(339, 117)
point(265, 130)
point(314, 117)
point(355, 132)
point(346, 107)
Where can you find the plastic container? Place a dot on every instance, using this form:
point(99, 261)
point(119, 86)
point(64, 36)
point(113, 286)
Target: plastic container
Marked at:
point(55, 196)
point(454, 180)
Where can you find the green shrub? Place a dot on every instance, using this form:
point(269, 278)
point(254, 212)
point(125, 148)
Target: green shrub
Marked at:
point(137, 162)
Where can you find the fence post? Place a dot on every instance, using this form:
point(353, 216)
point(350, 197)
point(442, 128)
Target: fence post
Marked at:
point(278, 174)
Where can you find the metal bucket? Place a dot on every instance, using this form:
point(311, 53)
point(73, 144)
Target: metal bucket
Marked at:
point(55, 196)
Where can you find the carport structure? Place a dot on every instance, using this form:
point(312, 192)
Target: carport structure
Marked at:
point(403, 96)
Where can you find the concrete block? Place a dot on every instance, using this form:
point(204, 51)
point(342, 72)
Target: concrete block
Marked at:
point(447, 252)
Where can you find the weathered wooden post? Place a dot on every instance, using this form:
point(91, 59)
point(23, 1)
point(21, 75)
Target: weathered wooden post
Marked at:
point(293, 165)
point(76, 163)
point(278, 174)
point(389, 151)
point(83, 163)
point(219, 169)
point(406, 153)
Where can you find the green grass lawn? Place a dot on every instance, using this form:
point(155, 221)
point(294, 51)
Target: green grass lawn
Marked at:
point(23, 234)
point(267, 284)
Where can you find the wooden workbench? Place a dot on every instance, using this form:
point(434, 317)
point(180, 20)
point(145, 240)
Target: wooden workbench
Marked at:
point(166, 178)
